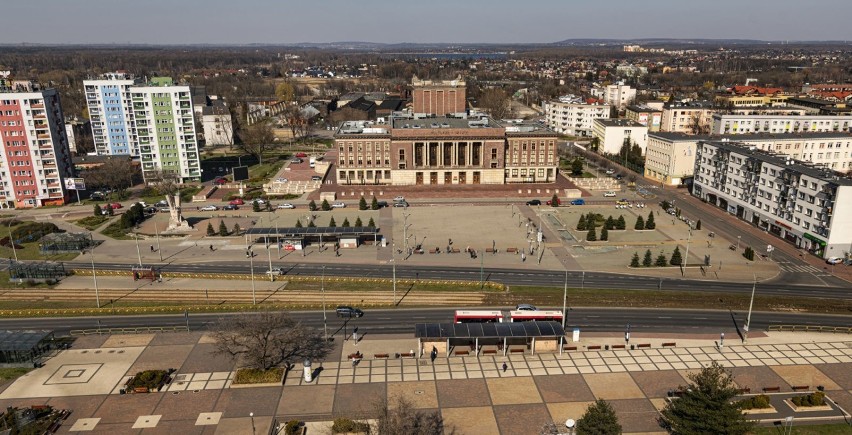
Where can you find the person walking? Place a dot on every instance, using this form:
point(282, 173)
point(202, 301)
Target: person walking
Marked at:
point(505, 367)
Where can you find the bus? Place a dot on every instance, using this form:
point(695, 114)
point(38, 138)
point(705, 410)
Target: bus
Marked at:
point(526, 316)
point(477, 316)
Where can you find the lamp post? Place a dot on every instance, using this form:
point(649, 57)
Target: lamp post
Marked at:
point(738, 243)
point(393, 261)
point(324, 318)
point(750, 304)
point(251, 266)
point(94, 276)
point(157, 232)
point(253, 430)
point(12, 240)
point(138, 252)
point(269, 256)
point(405, 232)
point(565, 299)
point(686, 257)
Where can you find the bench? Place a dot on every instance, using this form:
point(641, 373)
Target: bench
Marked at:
point(744, 390)
point(516, 351)
point(593, 347)
point(380, 355)
point(569, 347)
point(455, 250)
point(140, 390)
point(800, 387)
point(489, 352)
point(433, 251)
point(356, 355)
point(672, 344)
point(512, 250)
point(617, 346)
point(407, 355)
point(462, 352)
point(771, 389)
point(643, 345)
point(490, 251)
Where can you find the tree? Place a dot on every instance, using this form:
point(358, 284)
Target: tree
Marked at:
point(358, 222)
point(325, 206)
point(705, 405)
point(661, 260)
point(647, 261)
point(604, 234)
point(496, 102)
point(345, 223)
point(634, 262)
point(581, 224)
point(599, 419)
point(649, 224)
point(117, 173)
point(210, 230)
point(284, 91)
point(268, 339)
point(698, 225)
point(110, 211)
point(374, 205)
point(298, 223)
point(610, 223)
point(236, 230)
point(98, 210)
point(371, 223)
point(554, 201)
point(748, 253)
point(676, 257)
point(577, 167)
point(640, 223)
point(590, 236)
point(332, 223)
point(311, 224)
point(257, 138)
point(362, 204)
point(312, 206)
point(255, 206)
point(621, 223)
point(223, 229)
point(401, 417)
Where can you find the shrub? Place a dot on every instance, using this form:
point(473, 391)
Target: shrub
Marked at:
point(634, 262)
point(749, 253)
point(754, 402)
point(30, 231)
point(581, 224)
point(698, 225)
point(332, 223)
point(345, 425)
point(609, 224)
point(647, 261)
point(358, 222)
point(255, 206)
point(223, 229)
point(255, 376)
point(676, 259)
point(374, 205)
point(98, 211)
point(292, 427)
point(604, 234)
point(345, 223)
point(236, 231)
point(554, 201)
point(591, 236)
point(325, 206)
point(151, 379)
point(816, 398)
point(640, 224)
point(372, 223)
point(298, 223)
point(312, 206)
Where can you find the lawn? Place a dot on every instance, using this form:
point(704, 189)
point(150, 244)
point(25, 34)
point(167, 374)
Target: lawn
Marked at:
point(255, 376)
point(9, 373)
point(91, 223)
point(816, 429)
point(29, 250)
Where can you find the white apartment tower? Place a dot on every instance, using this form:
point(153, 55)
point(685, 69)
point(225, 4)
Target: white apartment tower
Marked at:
point(573, 115)
point(108, 102)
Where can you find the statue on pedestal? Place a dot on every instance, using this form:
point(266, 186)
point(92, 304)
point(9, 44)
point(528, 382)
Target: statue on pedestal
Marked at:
point(176, 222)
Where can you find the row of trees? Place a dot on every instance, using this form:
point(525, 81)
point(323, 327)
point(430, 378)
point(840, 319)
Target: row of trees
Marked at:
point(332, 223)
point(223, 229)
point(647, 261)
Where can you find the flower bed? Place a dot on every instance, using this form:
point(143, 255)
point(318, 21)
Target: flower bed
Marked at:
point(255, 376)
point(147, 381)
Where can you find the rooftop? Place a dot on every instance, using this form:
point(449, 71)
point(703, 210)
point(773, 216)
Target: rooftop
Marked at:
point(642, 108)
point(618, 123)
point(741, 137)
point(445, 122)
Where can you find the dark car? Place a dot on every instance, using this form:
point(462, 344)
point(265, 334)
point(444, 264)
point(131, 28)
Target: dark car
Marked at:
point(534, 202)
point(344, 311)
point(231, 207)
point(381, 204)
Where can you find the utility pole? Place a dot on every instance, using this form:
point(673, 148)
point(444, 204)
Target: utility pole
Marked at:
point(686, 257)
point(750, 304)
point(324, 318)
point(251, 266)
point(269, 256)
point(405, 232)
point(157, 232)
point(138, 253)
point(393, 260)
point(12, 240)
point(565, 299)
point(94, 275)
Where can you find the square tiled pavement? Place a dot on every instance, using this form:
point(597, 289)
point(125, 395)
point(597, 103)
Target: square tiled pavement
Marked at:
point(636, 415)
point(175, 339)
point(357, 399)
point(611, 386)
point(203, 360)
point(470, 421)
point(563, 388)
point(757, 378)
point(160, 358)
point(839, 373)
point(293, 400)
point(182, 427)
point(239, 402)
point(805, 375)
point(509, 391)
point(658, 383)
point(462, 393)
point(186, 405)
point(560, 412)
point(126, 408)
point(521, 419)
point(421, 394)
point(82, 406)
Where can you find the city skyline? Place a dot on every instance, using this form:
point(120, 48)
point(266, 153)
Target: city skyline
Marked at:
point(438, 21)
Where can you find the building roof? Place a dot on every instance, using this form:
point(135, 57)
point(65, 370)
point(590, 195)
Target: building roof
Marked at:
point(489, 330)
point(214, 110)
point(689, 105)
point(361, 104)
point(642, 108)
point(741, 137)
point(392, 104)
point(18, 340)
point(610, 122)
point(445, 122)
point(527, 128)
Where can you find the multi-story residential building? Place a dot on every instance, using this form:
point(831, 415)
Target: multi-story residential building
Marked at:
point(690, 117)
point(670, 157)
point(164, 125)
point(573, 115)
point(218, 125)
point(108, 102)
point(806, 205)
point(34, 154)
point(747, 124)
point(618, 95)
point(645, 115)
point(611, 134)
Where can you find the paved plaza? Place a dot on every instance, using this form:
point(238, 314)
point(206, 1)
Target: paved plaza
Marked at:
point(474, 395)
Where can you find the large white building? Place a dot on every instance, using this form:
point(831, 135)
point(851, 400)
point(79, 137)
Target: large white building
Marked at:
point(34, 154)
point(574, 115)
point(692, 117)
point(611, 134)
point(108, 102)
point(808, 206)
point(218, 125)
point(618, 95)
point(747, 124)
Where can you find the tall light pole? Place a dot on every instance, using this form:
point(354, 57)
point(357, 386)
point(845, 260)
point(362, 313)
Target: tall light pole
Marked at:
point(686, 257)
point(269, 256)
point(324, 318)
point(12, 240)
point(138, 252)
point(157, 232)
point(565, 299)
point(750, 304)
point(393, 261)
point(405, 233)
point(94, 276)
point(251, 266)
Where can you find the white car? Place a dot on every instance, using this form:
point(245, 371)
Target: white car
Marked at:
point(834, 260)
point(338, 205)
point(281, 180)
point(209, 208)
point(286, 205)
point(260, 201)
point(609, 194)
point(399, 198)
point(610, 171)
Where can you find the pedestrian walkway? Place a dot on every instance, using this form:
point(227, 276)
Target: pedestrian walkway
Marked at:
point(788, 266)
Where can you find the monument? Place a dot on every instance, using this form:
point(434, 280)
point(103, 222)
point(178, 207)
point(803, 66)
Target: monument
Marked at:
point(177, 223)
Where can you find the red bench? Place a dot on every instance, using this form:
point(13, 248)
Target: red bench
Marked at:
point(643, 345)
point(489, 352)
point(380, 355)
point(516, 351)
point(672, 344)
point(771, 389)
point(593, 347)
point(462, 352)
point(800, 387)
point(618, 346)
point(512, 250)
point(569, 347)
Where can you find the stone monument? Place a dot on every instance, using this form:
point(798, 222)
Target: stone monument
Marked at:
point(176, 222)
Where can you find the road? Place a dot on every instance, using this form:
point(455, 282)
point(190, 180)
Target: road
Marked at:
point(401, 321)
point(507, 276)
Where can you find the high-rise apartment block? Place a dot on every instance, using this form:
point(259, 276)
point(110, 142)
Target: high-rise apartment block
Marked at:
point(34, 154)
point(153, 120)
point(574, 115)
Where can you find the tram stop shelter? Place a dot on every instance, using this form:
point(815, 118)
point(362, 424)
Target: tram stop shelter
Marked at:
point(490, 337)
point(17, 347)
point(344, 237)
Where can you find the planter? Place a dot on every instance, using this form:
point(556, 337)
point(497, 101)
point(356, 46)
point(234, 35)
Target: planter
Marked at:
point(806, 408)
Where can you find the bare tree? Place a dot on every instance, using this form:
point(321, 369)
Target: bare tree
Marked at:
point(400, 417)
point(268, 339)
point(496, 102)
point(257, 139)
point(116, 173)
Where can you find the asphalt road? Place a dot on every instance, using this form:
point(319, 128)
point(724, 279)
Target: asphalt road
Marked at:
point(401, 321)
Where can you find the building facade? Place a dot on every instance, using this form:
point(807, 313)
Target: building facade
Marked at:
point(218, 125)
point(618, 95)
point(611, 134)
point(440, 98)
point(694, 117)
point(809, 207)
point(574, 116)
point(108, 102)
point(670, 157)
point(645, 115)
point(35, 158)
point(747, 124)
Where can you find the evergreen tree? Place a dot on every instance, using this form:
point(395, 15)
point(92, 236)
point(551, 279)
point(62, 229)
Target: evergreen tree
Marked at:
point(210, 231)
point(581, 224)
point(312, 206)
point(661, 260)
point(332, 223)
point(647, 261)
point(649, 224)
point(110, 211)
point(223, 229)
point(590, 236)
point(362, 203)
point(621, 223)
point(255, 206)
point(311, 224)
point(554, 201)
point(749, 253)
point(345, 223)
point(604, 234)
point(599, 419)
point(371, 224)
point(634, 262)
point(237, 230)
point(706, 405)
point(590, 221)
point(98, 210)
point(577, 167)
point(676, 257)
point(358, 222)
point(375, 204)
point(640, 223)
point(610, 223)
point(268, 206)
point(698, 225)
point(298, 223)
point(325, 205)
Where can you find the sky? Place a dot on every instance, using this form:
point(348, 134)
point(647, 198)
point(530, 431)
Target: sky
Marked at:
point(443, 21)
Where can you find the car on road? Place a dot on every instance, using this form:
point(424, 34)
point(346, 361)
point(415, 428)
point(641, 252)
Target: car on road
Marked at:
point(97, 196)
point(338, 205)
point(161, 203)
point(609, 194)
point(610, 171)
point(578, 202)
point(346, 311)
point(260, 201)
point(526, 307)
point(150, 210)
point(209, 208)
point(281, 180)
point(301, 155)
point(399, 198)
point(231, 207)
point(275, 271)
point(558, 202)
point(296, 160)
point(220, 181)
point(534, 202)
point(165, 209)
point(381, 204)
point(237, 201)
point(285, 206)
point(115, 206)
point(400, 204)
point(834, 260)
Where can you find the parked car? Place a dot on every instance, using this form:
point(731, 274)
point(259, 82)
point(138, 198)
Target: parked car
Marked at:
point(338, 205)
point(526, 307)
point(578, 202)
point(231, 207)
point(534, 202)
point(281, 180)
point(275, 271)
point(259, 201)
point(115, 206)
point(301, 155)
point(150, 210)
point(399, 198)
point(220, 181)
point(97, 196)
point(609, 194)
point(610, 171)
point(296, 160)
point(381, 204)
point(834, 260)
point(286, 205)
point(345, 311)
point(400, 204)
point(316, 178)
point(237, 201)
point(209, 208)
point(161, 203)
point(558, 202)
point(165, 209)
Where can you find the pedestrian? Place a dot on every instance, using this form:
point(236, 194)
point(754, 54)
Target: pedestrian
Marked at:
point(152, 248)
point(523, 257)
point(505, 367)
point(211, 248)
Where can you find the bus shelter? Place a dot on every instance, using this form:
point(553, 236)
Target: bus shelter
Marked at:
point(490, 337)
point(348, 237)
point(18, 347)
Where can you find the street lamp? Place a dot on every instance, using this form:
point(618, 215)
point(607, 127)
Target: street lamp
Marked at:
point(324, 318)
point(253, 430)
point(269, 256)
point(138, 253)
point(750, 304)
point(393, 261)
point(157, 232)
point(738, 243)
point(12, 240)
point(565, 299)
point(94, 276)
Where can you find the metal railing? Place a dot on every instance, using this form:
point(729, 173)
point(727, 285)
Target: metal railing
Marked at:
point(138, 330)
point(811, 328)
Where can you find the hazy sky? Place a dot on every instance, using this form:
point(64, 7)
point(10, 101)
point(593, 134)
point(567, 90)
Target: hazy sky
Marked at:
point(499, 21)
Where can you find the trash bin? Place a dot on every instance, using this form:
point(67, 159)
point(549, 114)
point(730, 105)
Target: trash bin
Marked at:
point(606, 347)
point(632, 347)
point(308, 374)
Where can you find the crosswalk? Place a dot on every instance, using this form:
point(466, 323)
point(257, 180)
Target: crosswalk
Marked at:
point(788, 266)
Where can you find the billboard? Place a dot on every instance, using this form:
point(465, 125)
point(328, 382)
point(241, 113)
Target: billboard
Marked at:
point(240, 173)
point(75, 184)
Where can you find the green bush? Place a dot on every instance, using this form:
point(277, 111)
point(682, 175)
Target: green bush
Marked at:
point(640, 223)
point(358, 222)
point(32, 231)
point(223, 229)
point(345, 223)
point(151, 379)
point(325, 206)
point(371, 223)
point(755, 402)
point(374, 205)
point(816, 398)
point(676, 259)
point(609, 224)
point(604, 234)
point(92, 222)
point(649, 223)
point(344, 425)
point(362, 204)
point(620, 223)
point(581, 224)
point(292, 427)
point(634, 262)
point(312, 206)
point(591, 236)
point(210, 231)
point(255, 376)
point(647, 261)
point(661, 260)
point(749, 253)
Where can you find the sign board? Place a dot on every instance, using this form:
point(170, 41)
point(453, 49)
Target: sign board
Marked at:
point(240, 173)
point(576, 336)
point(75, 184)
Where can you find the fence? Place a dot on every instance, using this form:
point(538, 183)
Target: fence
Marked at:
point(139, 330)
point(811, 328)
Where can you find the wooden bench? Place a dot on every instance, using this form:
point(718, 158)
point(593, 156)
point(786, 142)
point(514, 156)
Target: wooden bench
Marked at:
point(569, 347)
point(140, 390)
point(490, 251)
point(407, 355)
point(380, 355)
point(433, 251)
point(643, 345)
point(512, 250)
point(593, 347)
point(516, 351)
point(355, 356)
point(744, 390)
point(800, 387)
point(462, 352)
point(617, 346)
point(489, 352)
point(771, 389)
point(455, 250)
point(672, 344)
